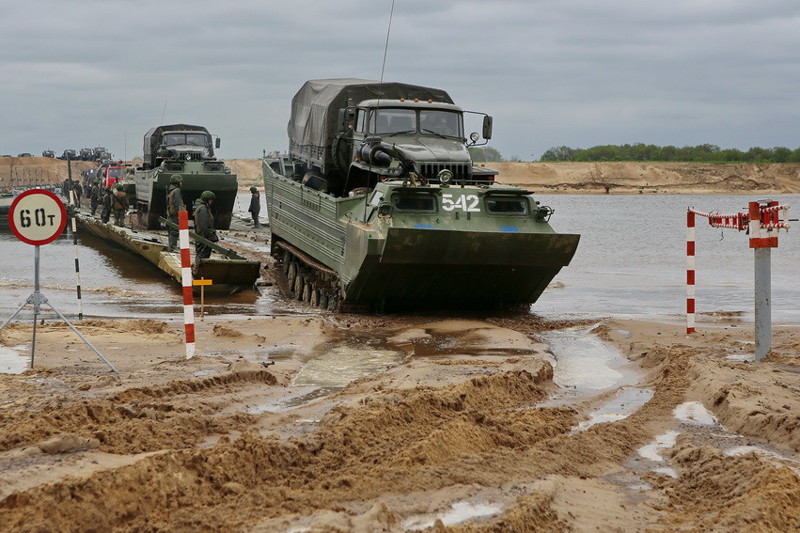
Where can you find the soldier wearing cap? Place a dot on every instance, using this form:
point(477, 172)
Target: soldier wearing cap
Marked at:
point(255, 206)
point(204, 225)
point(174, 205)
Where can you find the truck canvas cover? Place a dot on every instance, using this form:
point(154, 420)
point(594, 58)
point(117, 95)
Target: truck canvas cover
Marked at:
point(315, 107)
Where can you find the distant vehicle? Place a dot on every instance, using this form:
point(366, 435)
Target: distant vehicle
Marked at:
point(68, 154)
point(110, 176)
point(25, 154)
point(99, 152)
point(6, 155)
point(188, 151)
point(86, 154)
point(48, 153)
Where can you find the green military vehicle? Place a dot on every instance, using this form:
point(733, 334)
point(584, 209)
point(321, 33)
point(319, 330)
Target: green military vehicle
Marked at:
point(186, 150)
point(379, 206)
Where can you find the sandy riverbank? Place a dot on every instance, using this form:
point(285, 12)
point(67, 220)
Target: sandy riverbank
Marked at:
point(462, 419)
point(586, 178)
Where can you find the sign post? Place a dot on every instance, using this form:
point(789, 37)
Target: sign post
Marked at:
point(37, 217)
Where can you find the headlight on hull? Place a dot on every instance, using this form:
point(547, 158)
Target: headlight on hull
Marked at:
point(445, 176)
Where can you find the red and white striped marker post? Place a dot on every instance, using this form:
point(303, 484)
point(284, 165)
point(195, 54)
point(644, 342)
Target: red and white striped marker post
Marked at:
point(762, 222)
point(690, 271)
point(186, 282)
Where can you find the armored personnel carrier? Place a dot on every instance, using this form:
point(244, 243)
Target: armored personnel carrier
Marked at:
point(379, 206)
point(186, 150)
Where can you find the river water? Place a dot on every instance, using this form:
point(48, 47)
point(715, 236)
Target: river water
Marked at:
point(630, 263)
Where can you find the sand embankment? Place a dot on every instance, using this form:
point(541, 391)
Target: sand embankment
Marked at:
point(629, 177)
point(587, 178)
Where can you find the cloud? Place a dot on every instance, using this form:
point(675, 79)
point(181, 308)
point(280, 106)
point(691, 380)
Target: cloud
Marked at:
point(552, 72)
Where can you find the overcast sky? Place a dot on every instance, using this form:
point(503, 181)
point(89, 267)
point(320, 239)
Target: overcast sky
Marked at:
point(579, 73)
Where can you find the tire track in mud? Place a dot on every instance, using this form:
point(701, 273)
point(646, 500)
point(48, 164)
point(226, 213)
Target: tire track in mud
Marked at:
point(716, 492)
point(353, 452)
point(135, 420)
point(392, 443)
point(486, 431)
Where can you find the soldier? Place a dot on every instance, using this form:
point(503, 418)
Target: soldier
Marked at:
point(107, 201)
point(174, 205)
point(255, 206)
point(204, 225)
point(78, 190)
point(120, 206)
point(94, 196)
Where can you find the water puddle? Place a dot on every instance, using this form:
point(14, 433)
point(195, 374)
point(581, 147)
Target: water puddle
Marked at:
point(653, 452)
point(767, 455)
point(459, 512)
point(339, 366)
point(624, 403)
point(12, 361)
point(694, 414)
point(331, 371)
point(587, 364)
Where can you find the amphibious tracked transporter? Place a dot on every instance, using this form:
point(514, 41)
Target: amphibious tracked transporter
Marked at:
point(379, 207)
point(186, 150)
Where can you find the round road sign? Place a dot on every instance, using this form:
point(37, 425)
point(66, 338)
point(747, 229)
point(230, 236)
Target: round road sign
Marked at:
point(37, 217)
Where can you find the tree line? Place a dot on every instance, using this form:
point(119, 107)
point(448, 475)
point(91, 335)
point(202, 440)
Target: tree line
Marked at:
point(703, 153)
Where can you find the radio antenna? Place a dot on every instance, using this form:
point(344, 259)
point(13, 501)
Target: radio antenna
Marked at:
point(163, 113)
point(386, 45)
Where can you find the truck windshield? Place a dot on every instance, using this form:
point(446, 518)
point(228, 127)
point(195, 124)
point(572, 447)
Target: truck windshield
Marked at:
point(440, 122)
point(192, 139)
point(433, 122)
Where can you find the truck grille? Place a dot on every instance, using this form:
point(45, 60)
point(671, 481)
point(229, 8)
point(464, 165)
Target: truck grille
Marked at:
point(461, 171)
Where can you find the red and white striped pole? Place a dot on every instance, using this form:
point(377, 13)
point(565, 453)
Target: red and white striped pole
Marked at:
point(690, 270)
point(186, 281)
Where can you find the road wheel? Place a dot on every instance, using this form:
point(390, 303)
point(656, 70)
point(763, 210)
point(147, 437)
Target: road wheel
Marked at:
point(287, 260)
point(291, 275)
point(323, 300)
point(307, 293)
point(314, 297)
point(299, 283)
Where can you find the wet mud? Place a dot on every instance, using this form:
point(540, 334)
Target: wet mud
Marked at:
point(431, 423)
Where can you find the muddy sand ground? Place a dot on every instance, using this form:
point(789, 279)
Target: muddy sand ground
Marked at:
point(457, 424)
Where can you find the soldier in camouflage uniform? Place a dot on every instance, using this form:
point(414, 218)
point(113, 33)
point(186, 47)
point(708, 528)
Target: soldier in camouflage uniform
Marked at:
point(204, 225)
point(174, 205)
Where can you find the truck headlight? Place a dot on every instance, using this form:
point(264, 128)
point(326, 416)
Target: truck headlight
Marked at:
point(445, 176)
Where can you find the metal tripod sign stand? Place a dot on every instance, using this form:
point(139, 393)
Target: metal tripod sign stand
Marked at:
point(38, 217)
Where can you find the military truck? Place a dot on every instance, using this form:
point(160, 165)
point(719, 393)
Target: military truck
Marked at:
point(379, 206)
point(186, 150)
point(68, 154)
point(48, 153)
point(99, 153)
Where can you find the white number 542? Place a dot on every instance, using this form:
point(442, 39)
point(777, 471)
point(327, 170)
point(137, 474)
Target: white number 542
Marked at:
point(467, 202)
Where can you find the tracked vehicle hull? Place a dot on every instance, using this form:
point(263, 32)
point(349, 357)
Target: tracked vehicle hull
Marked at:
point(398, 247)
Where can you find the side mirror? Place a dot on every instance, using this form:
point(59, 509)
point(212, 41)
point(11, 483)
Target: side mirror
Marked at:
point(487, 127)
point(346, 117)
point(218, 141)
